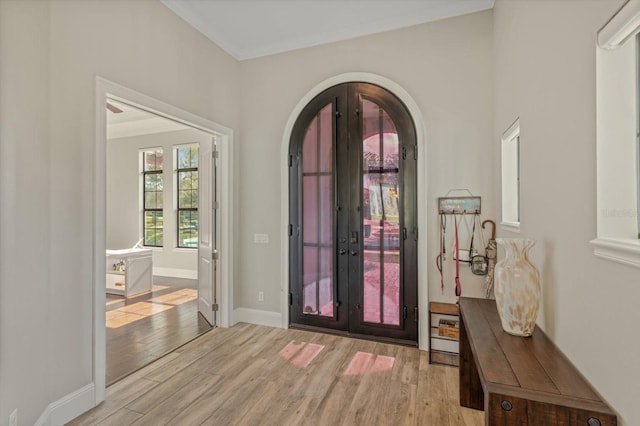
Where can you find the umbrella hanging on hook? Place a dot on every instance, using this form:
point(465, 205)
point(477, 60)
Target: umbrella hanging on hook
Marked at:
point(491, 252)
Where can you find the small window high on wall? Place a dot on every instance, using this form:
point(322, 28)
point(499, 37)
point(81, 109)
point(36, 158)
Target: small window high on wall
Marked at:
point(152, 198)
point(511, 177)
point(618, 153)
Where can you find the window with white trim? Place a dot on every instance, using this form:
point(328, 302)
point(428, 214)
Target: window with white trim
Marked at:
point(618, 125)
point(511, 177)
point(152, 198)
point(187, 195)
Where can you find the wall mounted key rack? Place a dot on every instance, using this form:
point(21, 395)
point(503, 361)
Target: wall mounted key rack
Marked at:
point(459, 204)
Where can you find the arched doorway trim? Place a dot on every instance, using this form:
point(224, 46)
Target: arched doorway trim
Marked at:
point(417, 117)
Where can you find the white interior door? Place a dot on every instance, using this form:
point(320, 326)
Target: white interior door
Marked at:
point(207, 231)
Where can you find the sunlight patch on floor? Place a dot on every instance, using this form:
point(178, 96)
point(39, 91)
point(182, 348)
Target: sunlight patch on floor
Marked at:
point(144, 308)
point(291, 349)
point(301, 354)
point(382, 364)
point(306, 355)
point(137, 311)
point(361, 362)
point(117, 318)
point(177, 297)
point(128, 314)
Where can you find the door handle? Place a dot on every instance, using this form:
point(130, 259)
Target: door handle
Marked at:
point(343, 251)
point(354, 253)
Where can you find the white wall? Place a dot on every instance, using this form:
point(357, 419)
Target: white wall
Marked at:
point(25, 285)
point(545, 73)
point(123, 198)
point(51, 54)
point(446, 66)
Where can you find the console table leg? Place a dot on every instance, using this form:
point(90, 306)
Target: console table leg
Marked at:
point(471, 393)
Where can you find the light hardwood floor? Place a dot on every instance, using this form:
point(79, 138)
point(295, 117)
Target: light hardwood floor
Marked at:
point(142, 329)
point(255, 375)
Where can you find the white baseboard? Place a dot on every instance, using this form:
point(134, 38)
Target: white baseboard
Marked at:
point(189, 274)
point(257, 316)
point(45, 417)
point(68, 407)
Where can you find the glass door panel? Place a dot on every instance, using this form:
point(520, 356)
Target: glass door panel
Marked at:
point(317, 216)
point(381, 217)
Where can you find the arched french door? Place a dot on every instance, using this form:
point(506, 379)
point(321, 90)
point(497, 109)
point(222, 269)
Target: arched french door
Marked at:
point(353, 215)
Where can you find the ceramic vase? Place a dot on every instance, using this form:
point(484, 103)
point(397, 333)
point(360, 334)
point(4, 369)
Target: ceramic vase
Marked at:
point(517, 287)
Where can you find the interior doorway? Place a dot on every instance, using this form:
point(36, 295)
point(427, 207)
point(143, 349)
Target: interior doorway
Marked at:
point(158, 227)
point(353, 215)
point(223, 218)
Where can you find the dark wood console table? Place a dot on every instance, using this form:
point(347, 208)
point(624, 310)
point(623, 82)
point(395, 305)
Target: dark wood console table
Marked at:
point(521, 380)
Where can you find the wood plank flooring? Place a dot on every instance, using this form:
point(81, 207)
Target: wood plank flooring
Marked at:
point(144, 328)
point(256, 375)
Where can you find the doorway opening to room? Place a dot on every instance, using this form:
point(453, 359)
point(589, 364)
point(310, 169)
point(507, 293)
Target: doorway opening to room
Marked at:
point(160, 185)
point(353, 215)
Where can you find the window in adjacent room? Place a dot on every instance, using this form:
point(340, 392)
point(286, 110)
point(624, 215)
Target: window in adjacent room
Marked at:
point(187, 195)
point(511, 177)
point(152, 187)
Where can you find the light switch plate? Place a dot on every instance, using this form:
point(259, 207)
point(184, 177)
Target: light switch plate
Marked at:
point(261, 238)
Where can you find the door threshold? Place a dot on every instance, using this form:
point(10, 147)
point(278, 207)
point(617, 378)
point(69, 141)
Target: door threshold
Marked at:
point(344, 333)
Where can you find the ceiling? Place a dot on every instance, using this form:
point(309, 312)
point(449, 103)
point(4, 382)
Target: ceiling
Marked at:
point(131, 121)
point(253, 28)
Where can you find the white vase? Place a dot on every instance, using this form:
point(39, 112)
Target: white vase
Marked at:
point(517, 287)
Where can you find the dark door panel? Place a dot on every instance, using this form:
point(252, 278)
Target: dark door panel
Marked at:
point(316, 299)
point(353, 251)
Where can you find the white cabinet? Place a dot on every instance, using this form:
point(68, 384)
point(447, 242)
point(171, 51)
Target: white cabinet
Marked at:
point(129, 271)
